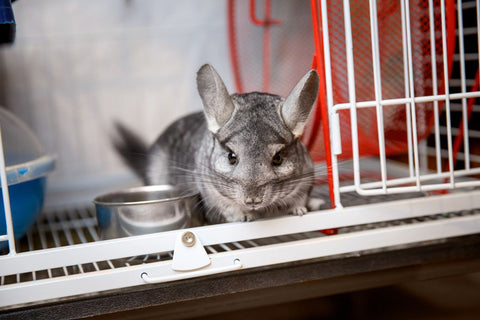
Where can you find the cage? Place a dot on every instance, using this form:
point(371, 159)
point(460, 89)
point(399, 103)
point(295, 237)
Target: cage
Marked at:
point(394, 133)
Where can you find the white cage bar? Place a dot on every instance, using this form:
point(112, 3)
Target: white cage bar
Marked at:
point(427, 180)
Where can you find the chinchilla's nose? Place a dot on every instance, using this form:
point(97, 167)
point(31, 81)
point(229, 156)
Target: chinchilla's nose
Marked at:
point(253, 200)
point(253, 195)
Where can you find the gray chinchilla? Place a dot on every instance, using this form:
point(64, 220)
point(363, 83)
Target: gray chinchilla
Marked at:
point(243, 153)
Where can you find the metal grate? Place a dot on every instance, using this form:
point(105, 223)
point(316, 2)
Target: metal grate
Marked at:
point(59, 228)
point(67, 227)
point(72, 226)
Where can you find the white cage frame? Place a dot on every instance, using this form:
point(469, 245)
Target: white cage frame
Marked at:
point(389, 186)
point(295, 238)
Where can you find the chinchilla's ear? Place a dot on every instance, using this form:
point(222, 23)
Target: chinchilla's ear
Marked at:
point(297, 106)
point(217, 104)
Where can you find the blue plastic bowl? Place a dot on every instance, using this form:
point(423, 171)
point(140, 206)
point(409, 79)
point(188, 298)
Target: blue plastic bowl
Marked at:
point(26, 186)
point(27, 166)
point(26, 201)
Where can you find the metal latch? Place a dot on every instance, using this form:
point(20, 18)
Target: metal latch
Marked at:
point(189, 255)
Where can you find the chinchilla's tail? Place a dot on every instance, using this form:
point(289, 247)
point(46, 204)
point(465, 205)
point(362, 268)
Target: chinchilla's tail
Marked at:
point(132, 148)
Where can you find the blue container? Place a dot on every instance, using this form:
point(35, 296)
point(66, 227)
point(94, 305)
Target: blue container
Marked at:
point(27, 186)
point(26, 201)
point(27, 167)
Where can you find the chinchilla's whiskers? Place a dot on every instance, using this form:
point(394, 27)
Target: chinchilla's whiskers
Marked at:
point(205, 180)
point(186, 176)
point(210, 212)
point(323, 170)
point(322, 166)
point(213, 180)
point(199, 206)
point(223, 184)
point(214, 215)
point(207, 168)
point(187, 188)
point(205, 174)
point(296, 179)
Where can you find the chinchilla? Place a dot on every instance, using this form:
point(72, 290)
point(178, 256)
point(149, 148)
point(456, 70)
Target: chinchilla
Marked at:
point(242, 153)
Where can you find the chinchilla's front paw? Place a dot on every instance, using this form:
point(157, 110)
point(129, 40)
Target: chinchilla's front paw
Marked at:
point(237, 216)
point(247, 217)
point(299, 211)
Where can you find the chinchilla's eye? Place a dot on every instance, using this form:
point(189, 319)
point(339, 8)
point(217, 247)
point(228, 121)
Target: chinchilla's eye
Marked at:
point(232, 157)
point(277, 159)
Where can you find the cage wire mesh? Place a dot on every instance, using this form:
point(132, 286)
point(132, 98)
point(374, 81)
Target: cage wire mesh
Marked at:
point(393, 65)
point(271, 42)
point(291, 54)
point(407, 72)
point(407, 59)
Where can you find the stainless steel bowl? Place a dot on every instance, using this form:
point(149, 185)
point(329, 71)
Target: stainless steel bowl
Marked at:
point(143, 210)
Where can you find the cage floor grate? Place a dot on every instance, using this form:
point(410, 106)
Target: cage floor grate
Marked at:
point(73, 226)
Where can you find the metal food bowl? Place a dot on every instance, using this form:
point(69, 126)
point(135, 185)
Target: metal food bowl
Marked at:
point(143, 210)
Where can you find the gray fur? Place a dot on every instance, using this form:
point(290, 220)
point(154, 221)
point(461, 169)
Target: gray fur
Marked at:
point(217, 104)
point(192, 155)
point(298, 105)
point(132, 148)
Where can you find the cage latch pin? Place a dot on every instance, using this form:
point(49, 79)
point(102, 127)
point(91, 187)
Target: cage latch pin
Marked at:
point(189, 253)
